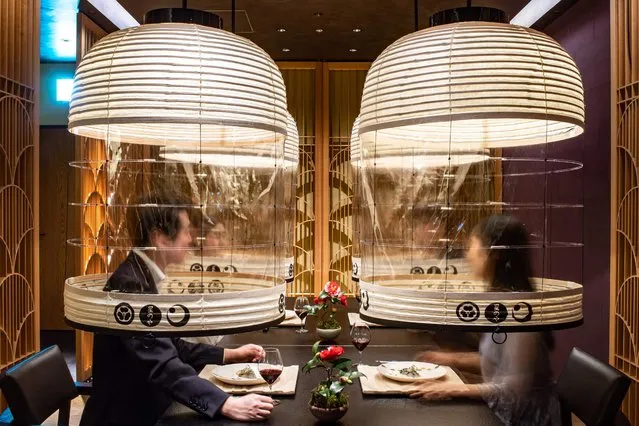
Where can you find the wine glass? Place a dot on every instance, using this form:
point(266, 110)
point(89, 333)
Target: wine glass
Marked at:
point(271, 366)
point(302, 313)
point(361, 335)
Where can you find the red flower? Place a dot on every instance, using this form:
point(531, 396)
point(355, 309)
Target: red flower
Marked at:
point(319, 301)
point(343, 300)
point(333, 289)
point(332, 353)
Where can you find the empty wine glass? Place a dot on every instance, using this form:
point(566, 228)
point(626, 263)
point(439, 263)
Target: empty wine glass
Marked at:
point(302, 313)
point(271, 366)
point(361, 335)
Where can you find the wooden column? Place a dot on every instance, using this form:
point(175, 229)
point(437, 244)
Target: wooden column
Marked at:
point(624, 217)
point(19, 177)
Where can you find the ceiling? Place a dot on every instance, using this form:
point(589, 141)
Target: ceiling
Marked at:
point(381, 22)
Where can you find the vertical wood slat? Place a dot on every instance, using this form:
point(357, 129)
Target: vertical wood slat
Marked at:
point(19, 203)
point(624, 229)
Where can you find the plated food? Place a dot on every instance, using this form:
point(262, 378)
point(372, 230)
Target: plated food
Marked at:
point(239, 374)
point(411, 371)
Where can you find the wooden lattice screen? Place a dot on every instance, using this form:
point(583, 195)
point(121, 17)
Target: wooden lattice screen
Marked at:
point(624, 290)
point(19, 150)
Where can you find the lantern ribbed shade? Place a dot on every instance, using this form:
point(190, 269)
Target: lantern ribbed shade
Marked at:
point(258, 155)
point(178, 84)
point(473, 85)
point(356, 144)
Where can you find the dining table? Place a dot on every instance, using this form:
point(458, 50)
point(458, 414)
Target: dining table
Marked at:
point(386, 344)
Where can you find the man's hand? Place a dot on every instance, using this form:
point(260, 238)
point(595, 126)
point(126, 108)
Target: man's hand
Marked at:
point(246, 353)
point(250, 407)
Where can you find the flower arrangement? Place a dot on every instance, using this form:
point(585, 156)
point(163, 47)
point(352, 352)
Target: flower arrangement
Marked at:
point(325, 305)
point(328, 394)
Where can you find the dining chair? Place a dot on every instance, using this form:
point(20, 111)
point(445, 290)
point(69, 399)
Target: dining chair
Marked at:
point(37, 387)
point(591, 389)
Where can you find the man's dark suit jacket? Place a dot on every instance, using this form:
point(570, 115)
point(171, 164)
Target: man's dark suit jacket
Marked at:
point(135, 379)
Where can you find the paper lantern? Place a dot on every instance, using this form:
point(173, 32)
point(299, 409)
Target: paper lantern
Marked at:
point(178, 84)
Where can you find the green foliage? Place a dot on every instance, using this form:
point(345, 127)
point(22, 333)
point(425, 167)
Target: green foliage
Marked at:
point(323, 397)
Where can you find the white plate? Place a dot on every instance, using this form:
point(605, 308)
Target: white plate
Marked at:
point(228, 374)
point(290, 314)
point(426, 370)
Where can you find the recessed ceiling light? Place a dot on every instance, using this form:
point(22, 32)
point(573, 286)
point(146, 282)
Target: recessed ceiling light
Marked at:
point(319, 30)
point(66, 40)
point(317, 14)
point(281, 30)
point(357, 30)
point(286, 49)
point(352, 50)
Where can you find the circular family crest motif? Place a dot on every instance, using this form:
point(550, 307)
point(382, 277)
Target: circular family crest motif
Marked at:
point(281, 304)
point(230, 268)
point(213, 268)
point(417, 270)
point(196, 267)
point(522, 312)
point(365, 302)
point(434, 270)
point(216, 286)
point(496, 312)
point(150, 315)
point(123, 314)
point(467, 311)
point(183, 314)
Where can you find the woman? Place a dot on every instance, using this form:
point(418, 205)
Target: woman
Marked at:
point(517, 378)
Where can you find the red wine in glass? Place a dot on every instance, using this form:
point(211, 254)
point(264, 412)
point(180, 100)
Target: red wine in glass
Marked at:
point(301, 312)
point(271, 366)
point(361, 337)
point(360, 343)
point(270, 375)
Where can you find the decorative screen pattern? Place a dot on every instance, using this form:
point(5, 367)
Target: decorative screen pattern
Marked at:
point(345, 93)
point(301, 94)
point(624, 351)
point(19, 228)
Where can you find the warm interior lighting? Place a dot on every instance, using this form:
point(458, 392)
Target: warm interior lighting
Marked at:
point(533, 11)
point(258, 156)
point(178, 84)
point(473, 85)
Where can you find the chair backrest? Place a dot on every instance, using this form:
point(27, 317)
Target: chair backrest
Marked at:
point(38, 386)
point(591, 389)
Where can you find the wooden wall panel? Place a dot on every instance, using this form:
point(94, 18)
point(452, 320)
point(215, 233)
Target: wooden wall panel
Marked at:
point(19, 201)
point(345, 86)
point(301, 80)
point(57, 150)
point(624, 268)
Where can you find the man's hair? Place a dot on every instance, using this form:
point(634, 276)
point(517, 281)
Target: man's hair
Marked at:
point(156, 211)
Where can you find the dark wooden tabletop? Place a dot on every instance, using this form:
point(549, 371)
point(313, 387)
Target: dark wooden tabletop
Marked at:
point(386, 344)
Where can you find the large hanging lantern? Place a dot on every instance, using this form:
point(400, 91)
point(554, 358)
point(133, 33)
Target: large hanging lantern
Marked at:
point(472, 85)
point(502, 94)
point(185, 90)
point(178, 84)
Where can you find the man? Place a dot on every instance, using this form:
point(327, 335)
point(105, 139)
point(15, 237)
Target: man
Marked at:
point(136, 378)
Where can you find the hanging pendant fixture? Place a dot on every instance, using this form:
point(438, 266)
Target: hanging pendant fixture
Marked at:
point(466, 88)
point(178, 83)
point(474, 85)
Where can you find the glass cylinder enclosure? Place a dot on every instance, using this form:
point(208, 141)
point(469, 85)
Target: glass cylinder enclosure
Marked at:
point(471, 212)
point(186, 203)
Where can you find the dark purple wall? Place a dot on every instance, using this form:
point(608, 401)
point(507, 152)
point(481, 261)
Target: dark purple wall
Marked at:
point(584, 31)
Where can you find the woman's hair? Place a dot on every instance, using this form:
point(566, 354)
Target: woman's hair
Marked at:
point(507, 242)
point(508, 245)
